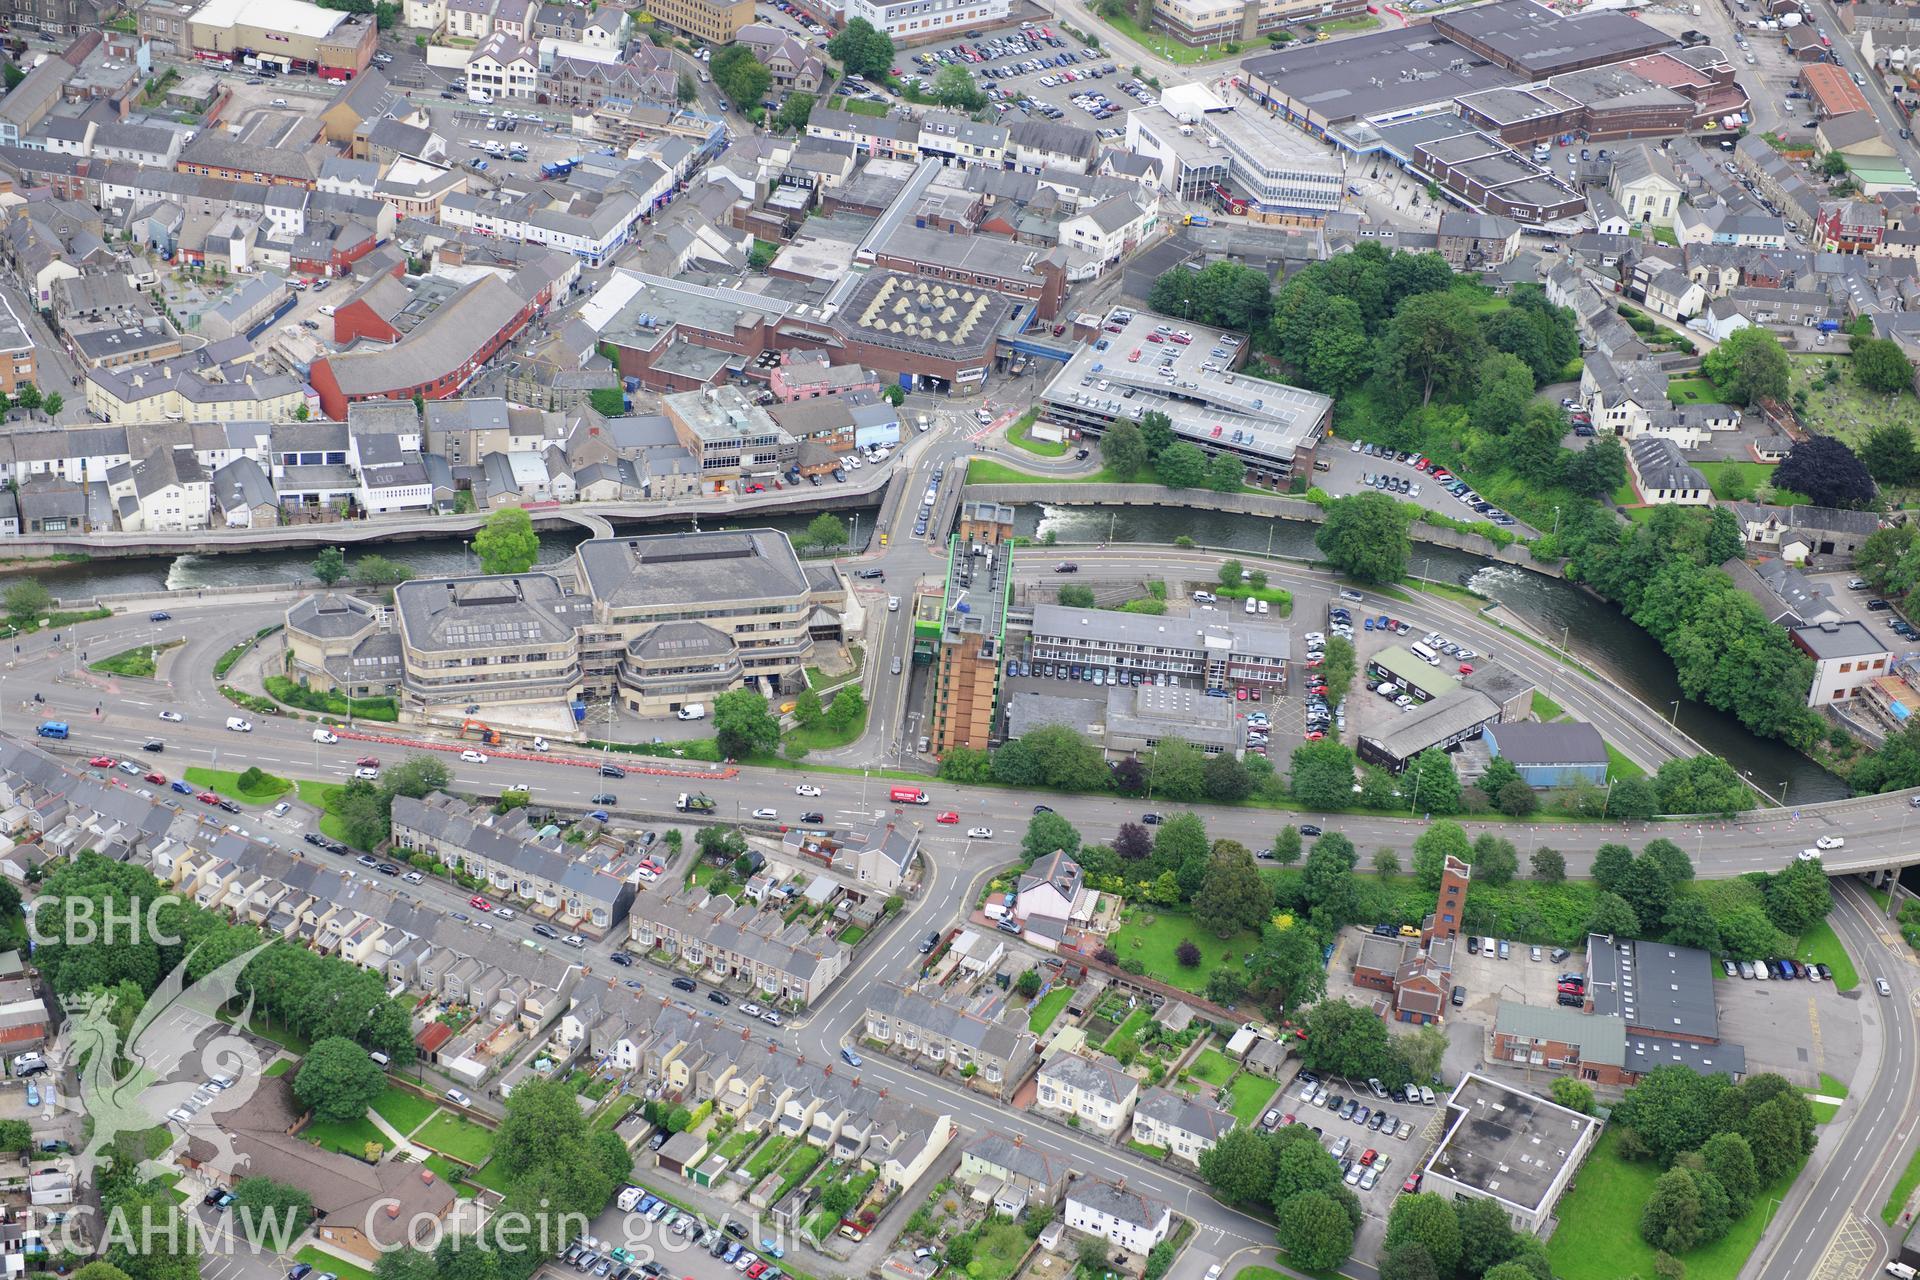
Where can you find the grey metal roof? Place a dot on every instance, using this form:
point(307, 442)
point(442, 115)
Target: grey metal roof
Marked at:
point(1436, 722)
point(1562, 743)
point(1654, 987)
point(458, 614)
point(1847, 639)
point(1167, 631)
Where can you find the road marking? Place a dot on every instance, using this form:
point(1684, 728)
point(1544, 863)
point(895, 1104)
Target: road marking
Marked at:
point(1852, 1250)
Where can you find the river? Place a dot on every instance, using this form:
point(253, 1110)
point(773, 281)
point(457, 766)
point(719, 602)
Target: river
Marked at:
point(1595, 630)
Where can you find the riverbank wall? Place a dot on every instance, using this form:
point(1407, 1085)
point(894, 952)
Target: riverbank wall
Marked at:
point(1269, 506)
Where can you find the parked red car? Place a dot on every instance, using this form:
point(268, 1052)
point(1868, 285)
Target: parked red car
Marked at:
point(207, 797)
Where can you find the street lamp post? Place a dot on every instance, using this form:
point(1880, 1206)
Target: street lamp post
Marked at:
point(1673, 720)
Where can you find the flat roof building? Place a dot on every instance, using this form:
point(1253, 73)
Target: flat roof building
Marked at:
point(1550, 755)
point(1516, 1149)
point(488, 640)
point(1534, 41)
point(1380, 77)
point(1272, 427)
point(1207, 650)
point(1203, 142)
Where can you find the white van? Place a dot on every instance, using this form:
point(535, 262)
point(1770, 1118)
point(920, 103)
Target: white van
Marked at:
point(1425, 655)
point(321, 735)
point(237, 725)
point(693, 711)
point(629, 1198)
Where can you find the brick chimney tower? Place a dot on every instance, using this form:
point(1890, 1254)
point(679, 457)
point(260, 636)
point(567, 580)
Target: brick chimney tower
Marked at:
point(1449, 912)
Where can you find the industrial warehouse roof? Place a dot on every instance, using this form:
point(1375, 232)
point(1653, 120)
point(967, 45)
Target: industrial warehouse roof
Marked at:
point(1657, 987)
point(437, 347)
point(1439, 720)
point(295, 17)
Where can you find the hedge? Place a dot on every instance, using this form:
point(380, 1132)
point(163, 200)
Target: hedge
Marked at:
point(330, 703)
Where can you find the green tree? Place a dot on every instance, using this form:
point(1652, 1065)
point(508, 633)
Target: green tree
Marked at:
point(794, 113)
point(685, 91)
point(1420, 1051)
point(1180, 465)
point(1076, 596)
point(1287, 845)
point(56, 402)
point(417, 776)
point(338, 1081)
point(1322, 775)
point(849, 708)
point(1689, 922)
point(1179, 770)
point(1647, 890)
point(1611, 862)
point(862, 49)
point(1600, 468)
point(825, 530)
point(954, 87)
point(1326, 882)
point(741, 76)
point(330, 565)
point(1611, 915)
point(1880, 365)
point(15, 1135)
point(1316, 1232)
point(1431, 346)
point(1286, 968)
point(1516, 799)
point(1798, 896)
point(1430, 1219)
point(1431, 849)
point(1409, 1260)
point(1366, 536)
point(1123, 448)
point(1574, 1095)
point(1225, 473)
point(1347, 1040)
point(28, 397)
point(1750, 366)
point(1503, 387)
point(1028, 984)
point(506, 543)
point(1671, 1217)
point(1232, 897)
point(1889, 455)
point(1240, 1166)
point(270, 1214)
point(1494, 860)
point(378, 571)
point(1386, 863)
point(1436, 787)
point(1047, 834)
point(807, 711)
point(743, 725)
point(1724, 542)
point(1226, 780)
point(1486, 1237)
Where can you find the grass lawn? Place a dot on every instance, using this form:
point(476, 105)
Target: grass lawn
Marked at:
point(1173, 51)
point(1154, 937)
point(852, 934)
point(1819, 943)
point(1150, 1152)
point(1693, 391)
point(1592, 1244)
point(1624, 496)
point(826, 736)
point(1022, 436)
point(133, 662)
point(998, 1251)
point(317, 794)
point(323, 1261)
point(462, 1139)
point(1619, 767)
point(735, 1146)
point(820, 682)
point(1131, 1027)
point(1546, 708)
point(226, 782)
point(491, 1176)
point(988, 471)
point(770, 1154)
point(1047, 1008)
point(1250, 1095)
point(279, 1068)
point(1824, 1112)
point(859, 106)
point(1902, 1192)
point(403, 1110)
point(1212, 1066)
point(348, 1139)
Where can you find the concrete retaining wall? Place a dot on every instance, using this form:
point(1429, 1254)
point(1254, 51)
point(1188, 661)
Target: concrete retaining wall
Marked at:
point(1271, 506)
